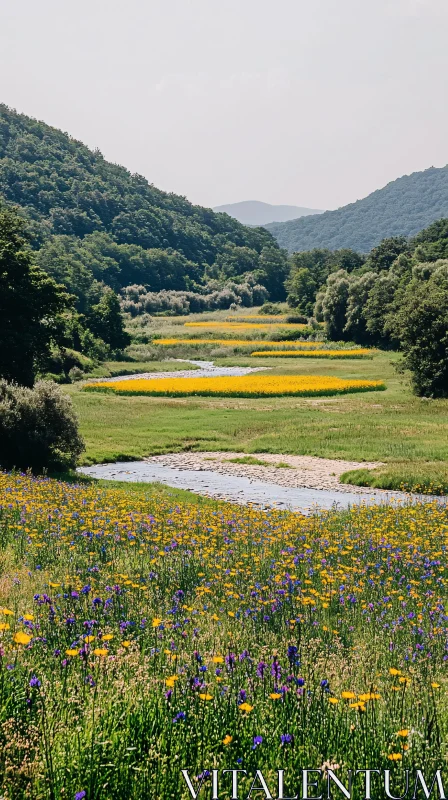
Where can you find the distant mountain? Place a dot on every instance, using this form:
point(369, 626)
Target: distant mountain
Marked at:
point(253, 212)
point(402, 208)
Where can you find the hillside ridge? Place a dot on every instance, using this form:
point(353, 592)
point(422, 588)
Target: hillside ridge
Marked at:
point(401, 208)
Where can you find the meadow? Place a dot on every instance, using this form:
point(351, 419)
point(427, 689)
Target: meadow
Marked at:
point(408, 434)
point(142, 634)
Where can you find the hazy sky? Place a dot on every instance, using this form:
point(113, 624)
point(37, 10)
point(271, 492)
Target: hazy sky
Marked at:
point(307, 102)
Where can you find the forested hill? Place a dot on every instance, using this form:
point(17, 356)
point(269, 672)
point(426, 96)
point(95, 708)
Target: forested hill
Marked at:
point(402, 208)
point(87, 214)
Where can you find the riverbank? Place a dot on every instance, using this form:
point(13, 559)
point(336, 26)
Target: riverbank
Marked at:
point(251, 484)
point(280, 469)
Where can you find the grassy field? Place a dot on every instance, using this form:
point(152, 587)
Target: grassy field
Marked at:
point(141, 635)
point(394, 426)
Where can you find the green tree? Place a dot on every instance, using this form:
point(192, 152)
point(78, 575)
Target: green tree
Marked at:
point(360, 287)
point(301, 288)
point(106, 321)
point(272, 271)
point(378, 307)
point(319, 264)
point(31, 305)
point(333, 305)
point(421, 326)
point(383, 256)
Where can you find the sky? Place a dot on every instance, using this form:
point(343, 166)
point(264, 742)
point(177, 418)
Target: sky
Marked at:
point(314, 103)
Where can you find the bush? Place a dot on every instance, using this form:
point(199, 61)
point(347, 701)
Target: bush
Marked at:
point(270, 309)
point(76, 374)
point(38, 427)
point(296, 319)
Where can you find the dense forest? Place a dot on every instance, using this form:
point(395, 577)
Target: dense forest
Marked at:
point(402, 208)
point(93, 223)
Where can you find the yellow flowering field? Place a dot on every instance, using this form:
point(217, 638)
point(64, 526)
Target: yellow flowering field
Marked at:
point(140, 636)
point(328, 353)
point(253, 385)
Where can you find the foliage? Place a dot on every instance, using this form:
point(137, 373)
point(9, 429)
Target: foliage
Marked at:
point(270, 309)
point(93, 220)
point(38, 427)
point(146, 633)
point(358, 293)
point(395, 300)
point(402, 208)
point(137, 300)
point(31, 306)
point(106, 322)
point(310, 270)
point(421, 325)
point(331, 305)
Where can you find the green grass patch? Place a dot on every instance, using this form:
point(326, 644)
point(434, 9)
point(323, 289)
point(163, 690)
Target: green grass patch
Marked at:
point(424, 478)
point(250, 460)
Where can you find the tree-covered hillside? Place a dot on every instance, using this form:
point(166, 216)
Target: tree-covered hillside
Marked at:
point(90, 219)
point(402, 208)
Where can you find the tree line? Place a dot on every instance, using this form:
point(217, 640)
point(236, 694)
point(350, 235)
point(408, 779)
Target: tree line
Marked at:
point(396, 297)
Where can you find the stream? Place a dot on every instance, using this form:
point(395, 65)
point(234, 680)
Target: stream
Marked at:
point(241, 490)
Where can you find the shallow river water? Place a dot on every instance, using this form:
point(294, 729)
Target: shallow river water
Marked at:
point(238, 489)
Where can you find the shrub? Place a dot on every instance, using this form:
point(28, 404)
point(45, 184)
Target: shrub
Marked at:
point(296, 319)
point(38, 427)
point(270, 309)
point(76, 374)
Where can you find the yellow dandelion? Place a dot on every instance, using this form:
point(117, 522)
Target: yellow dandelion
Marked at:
point(227, 739)
point(22, 638)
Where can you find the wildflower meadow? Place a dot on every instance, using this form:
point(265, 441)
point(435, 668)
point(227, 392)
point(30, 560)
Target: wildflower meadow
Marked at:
point(140, 636)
